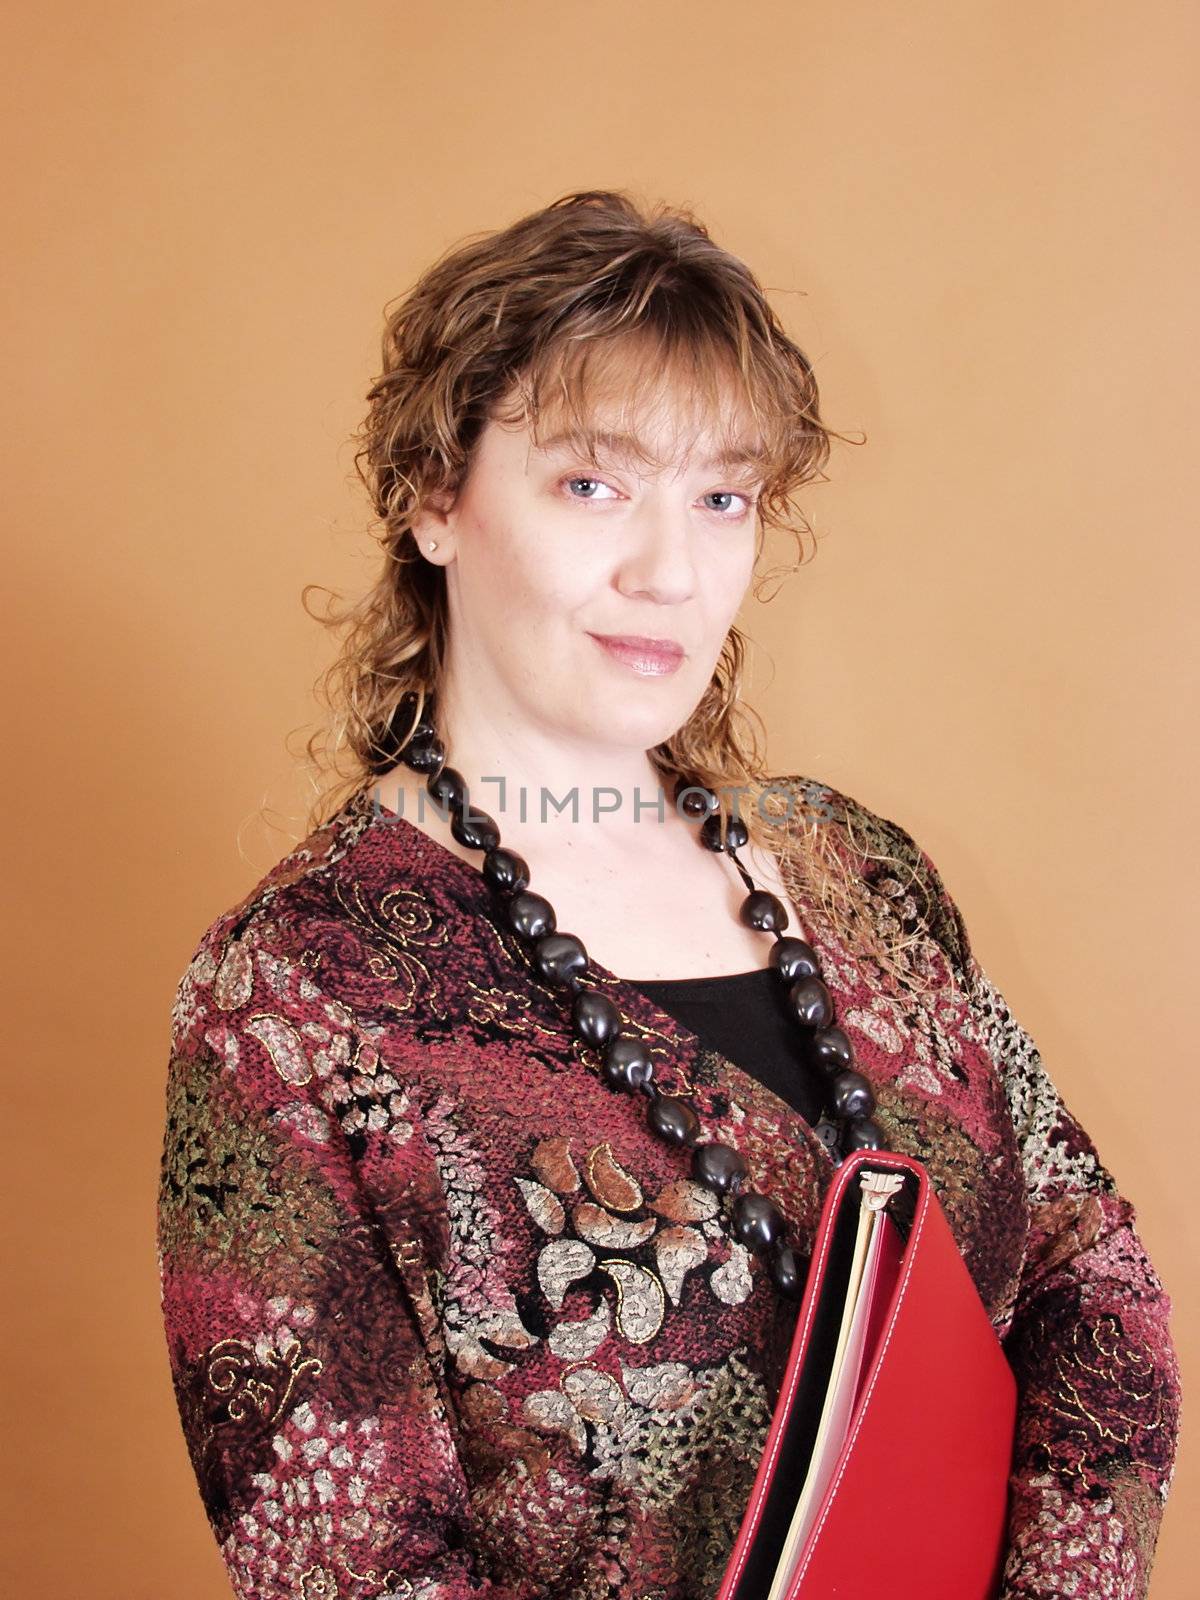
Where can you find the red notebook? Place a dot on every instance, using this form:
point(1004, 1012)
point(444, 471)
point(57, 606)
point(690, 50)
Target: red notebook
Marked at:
point(885, 1469)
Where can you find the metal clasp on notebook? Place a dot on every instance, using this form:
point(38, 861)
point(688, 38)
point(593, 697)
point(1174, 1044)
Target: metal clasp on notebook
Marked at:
point(879, 1187)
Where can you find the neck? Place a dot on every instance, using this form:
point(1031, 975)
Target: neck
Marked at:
point(551, 795)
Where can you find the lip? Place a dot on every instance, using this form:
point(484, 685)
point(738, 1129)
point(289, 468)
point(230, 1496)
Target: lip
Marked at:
point(650, 658)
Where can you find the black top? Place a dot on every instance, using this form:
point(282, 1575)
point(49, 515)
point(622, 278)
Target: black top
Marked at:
point(743, 1015)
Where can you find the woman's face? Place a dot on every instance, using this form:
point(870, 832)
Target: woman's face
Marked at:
point(546, 556)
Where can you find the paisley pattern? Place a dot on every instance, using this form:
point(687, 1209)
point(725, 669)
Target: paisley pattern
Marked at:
point(446, 1320)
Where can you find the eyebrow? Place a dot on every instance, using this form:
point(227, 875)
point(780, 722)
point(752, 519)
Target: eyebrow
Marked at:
point(626, 446)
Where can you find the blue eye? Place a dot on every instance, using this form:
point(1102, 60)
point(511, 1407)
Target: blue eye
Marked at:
point(749, 500)
point(724, 495)
point(596, 482)
point(732, 494)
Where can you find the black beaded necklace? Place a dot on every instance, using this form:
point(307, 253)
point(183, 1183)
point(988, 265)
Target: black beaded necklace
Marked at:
point(561, 960)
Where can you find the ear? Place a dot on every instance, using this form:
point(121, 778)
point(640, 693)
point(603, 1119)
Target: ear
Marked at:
point(435, 523)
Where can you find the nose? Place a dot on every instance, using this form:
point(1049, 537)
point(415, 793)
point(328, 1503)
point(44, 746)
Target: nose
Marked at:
point(658, 563)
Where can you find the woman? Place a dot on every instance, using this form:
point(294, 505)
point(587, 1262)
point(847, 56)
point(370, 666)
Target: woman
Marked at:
point(462, 1296)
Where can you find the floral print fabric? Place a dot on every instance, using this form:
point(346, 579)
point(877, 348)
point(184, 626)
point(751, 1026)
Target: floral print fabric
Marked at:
point(445, 1319)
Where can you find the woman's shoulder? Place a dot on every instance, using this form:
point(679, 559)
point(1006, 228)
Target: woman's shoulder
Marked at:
point(305, 899)
point(861, 830)
point(302, 872)
point(882, 855)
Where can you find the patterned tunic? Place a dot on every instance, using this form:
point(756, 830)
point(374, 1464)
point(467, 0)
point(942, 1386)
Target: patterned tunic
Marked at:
point(446, 1319)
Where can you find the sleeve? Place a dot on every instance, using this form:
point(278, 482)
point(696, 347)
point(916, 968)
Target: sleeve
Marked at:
point(1097, 1375)
point(304, 1353)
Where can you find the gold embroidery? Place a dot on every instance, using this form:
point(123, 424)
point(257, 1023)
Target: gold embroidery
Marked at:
point(408, 1254)
point(318, 1584)
point(284, 1046)
point(608, 1180)
point(641, 1302)
point(402, 919)
point(507, 1010)
point(231, 1370)
point(391, 1580)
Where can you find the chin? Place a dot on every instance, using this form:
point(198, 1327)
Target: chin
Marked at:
point(655, 726)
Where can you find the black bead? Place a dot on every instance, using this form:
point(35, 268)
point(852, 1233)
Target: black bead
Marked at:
point(810, 1001)
point(595, 1018)
point(673, 1119)
point(832, 1050)
point(425, 755)
point(475, 829)
point(850, 1095)
point(694, 800)
point(531, 915)
point(757, 1221)
point(763, 911)
point(505, 870)
point(405, 708)
point(736, 833)
point(863, 1134)
point(719, 1167)
point(447, 788)
point(627, 1063)
point(788, 1270)
point(559, 957)
point(794, 959)
point(424, 727)
point(829, 1134)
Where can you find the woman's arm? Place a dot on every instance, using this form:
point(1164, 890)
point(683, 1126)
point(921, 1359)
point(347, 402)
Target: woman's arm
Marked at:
point(1098, 1381)
point(307, 1375)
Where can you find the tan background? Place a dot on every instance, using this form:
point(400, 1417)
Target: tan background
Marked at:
point(974, 218)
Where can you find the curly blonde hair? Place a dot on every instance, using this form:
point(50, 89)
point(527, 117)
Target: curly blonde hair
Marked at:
point(536, 318)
